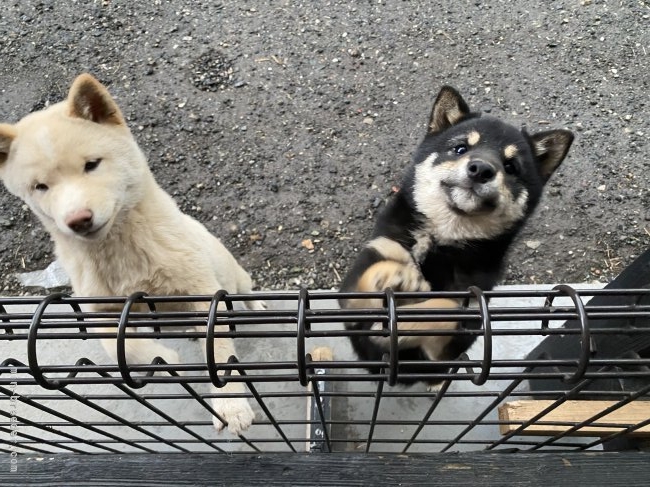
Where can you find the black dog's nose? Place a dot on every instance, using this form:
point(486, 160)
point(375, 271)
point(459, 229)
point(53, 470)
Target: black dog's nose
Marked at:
point(480, 171)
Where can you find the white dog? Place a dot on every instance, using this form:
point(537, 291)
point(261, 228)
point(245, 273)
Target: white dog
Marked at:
point(116, 232)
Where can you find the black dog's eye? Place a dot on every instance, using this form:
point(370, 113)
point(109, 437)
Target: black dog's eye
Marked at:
point(460, 149)
point(92, 165)
point(510, 166)
point(41, 187)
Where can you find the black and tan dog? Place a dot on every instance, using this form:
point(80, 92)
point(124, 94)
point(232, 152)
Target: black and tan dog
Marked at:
point(473, 183)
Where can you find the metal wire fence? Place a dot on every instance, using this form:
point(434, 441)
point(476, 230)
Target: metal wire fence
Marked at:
point(559, 369)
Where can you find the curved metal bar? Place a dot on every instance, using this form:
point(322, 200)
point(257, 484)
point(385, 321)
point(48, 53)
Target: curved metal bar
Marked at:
point(218, 297)
point(393, 356)
point(3, 313)
point(586, 345)
point(486, 363)
point(152, 308)
point(32, 355)
point(303, 304)
point(548, 302)
point(77, 309)
point(121, 341)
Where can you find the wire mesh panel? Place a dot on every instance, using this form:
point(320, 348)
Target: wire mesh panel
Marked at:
point(60, 391)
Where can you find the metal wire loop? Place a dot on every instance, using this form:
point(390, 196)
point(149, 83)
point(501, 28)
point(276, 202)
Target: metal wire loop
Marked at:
point(587, 346)
point(486, 324)
point(121, 341)
point(213, 370)
point(8, 329)
point(32, 355)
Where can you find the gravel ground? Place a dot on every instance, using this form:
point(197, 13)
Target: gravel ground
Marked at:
point(282, 126)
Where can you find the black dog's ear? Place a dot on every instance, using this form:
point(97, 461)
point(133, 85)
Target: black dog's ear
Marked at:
point(448, 109)
point(551, 148)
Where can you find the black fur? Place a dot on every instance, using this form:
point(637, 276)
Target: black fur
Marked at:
point(457, 264)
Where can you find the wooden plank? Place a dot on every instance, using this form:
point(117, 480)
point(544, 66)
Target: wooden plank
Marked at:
point(574, 412)
point(301, 470)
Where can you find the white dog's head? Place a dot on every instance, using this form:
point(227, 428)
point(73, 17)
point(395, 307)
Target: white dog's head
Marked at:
point(75, 163)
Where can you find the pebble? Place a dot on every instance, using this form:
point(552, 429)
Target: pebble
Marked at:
point(533, 244)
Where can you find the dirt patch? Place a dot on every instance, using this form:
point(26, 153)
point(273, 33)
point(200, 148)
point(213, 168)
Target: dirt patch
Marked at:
point(284, 127)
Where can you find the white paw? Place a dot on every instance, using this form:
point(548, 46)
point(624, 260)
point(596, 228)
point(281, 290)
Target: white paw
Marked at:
point(236, 411)
point(434, 387)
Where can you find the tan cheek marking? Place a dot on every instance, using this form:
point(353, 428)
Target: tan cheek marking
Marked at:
point(449, 167)
point(473, 138)
point(430, 160)
point(510, 151)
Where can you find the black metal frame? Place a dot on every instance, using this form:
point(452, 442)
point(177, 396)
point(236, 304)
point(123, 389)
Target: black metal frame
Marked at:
point(311, 316)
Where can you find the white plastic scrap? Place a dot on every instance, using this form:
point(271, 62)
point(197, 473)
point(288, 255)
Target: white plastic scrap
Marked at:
point(52, 277)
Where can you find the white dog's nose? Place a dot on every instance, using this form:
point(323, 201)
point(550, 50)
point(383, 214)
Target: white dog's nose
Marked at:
point(80, 221)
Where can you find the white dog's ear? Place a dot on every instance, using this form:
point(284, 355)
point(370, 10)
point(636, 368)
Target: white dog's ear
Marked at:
point(7, 136)
point(90, 100)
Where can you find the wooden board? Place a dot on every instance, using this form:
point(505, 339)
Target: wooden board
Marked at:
point(332, 469)
point(574, 412)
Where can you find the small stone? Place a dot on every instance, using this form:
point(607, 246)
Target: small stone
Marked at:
point(533, 244)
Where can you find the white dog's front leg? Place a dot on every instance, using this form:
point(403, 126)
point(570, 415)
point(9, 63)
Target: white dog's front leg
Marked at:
point(235, 410)
point(140, 351)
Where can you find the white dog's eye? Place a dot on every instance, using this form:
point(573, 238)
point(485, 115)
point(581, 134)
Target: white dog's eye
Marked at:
point(41, 187)
point(92, 165)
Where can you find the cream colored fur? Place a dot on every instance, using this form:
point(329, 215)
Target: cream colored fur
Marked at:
point(139, 239)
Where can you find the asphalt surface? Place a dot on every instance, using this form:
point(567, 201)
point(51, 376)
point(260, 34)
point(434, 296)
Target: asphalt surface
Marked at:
point(283, 126)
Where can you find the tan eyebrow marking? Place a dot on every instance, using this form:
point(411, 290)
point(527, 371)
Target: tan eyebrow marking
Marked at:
point(510, 151)
point(473, 138)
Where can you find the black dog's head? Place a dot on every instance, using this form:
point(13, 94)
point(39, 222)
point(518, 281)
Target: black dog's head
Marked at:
point(477, 177)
